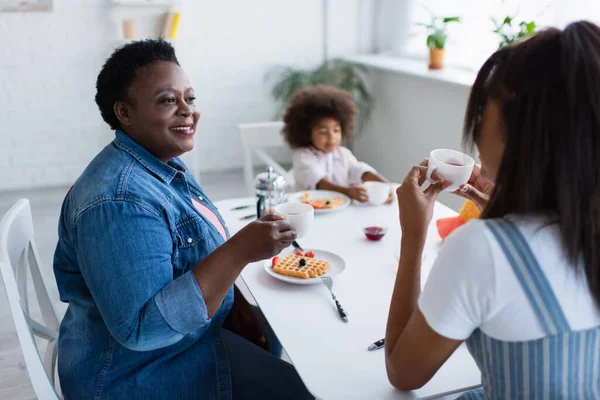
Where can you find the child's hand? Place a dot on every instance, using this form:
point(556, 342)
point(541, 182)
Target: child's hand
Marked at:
point(358, 193)
point(390, 198)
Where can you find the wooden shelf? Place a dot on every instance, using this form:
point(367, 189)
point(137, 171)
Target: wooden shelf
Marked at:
point(130, 15)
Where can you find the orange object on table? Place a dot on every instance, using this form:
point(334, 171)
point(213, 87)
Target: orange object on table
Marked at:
point(467, 212)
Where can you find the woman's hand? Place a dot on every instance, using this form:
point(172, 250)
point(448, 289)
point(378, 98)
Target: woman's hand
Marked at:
point(415, 205)
point(257, 241)
point(477, 189)
point(263, 238)
point(358, 193)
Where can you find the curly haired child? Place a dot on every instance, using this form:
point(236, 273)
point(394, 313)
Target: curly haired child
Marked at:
point(316, 121)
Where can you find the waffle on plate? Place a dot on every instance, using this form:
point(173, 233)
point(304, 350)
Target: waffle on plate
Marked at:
point(292, 265)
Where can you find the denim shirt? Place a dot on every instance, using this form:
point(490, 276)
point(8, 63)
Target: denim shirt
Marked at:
point(137, 325)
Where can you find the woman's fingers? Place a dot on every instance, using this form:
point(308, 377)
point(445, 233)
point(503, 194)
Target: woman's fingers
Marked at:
point(469, 192)
point(271, 217)
point(459, 193)
point(434, 190)
point(475, 174)
point(418, 175)
point(287, 236)
point(282, 225)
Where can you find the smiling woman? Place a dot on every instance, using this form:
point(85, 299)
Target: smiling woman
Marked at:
point(145, 262)
point(163, 128)
point(161, 116)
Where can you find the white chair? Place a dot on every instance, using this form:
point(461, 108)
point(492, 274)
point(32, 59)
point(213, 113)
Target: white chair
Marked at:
point(18, 258)
point(255, 138)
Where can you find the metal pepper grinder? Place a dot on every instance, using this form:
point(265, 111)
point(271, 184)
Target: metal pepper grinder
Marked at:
point(270, 191)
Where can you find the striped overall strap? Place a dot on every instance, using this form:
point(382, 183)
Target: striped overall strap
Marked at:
point(530, 275)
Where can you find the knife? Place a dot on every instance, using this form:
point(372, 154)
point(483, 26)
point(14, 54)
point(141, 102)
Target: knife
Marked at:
point(297, 246)
point(241, 207)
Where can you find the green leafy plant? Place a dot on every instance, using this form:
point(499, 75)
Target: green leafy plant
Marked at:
point(438, 30)
point(510, 33)
point(284, 81)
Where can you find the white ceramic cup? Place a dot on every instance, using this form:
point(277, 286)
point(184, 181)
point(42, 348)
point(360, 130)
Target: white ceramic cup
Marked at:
point(451, 165)
point(378, 192)
point(301, 216)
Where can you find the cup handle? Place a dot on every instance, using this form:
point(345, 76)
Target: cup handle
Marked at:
point(430, 170)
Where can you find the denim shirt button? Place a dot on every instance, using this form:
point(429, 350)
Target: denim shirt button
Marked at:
point(200, 198)
point(218, 344)
point(223, 386)
point(190, 240)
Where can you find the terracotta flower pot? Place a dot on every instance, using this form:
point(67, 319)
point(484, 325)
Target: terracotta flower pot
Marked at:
point(436, 58)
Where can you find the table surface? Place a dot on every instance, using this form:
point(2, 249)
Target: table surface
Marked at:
point(331, 356)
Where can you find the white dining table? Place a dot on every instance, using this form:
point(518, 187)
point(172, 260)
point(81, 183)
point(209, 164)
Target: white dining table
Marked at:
point(331, 356)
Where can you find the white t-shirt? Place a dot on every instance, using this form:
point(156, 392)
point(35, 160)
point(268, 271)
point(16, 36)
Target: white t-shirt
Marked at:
point(341, 167)
point(472, 285)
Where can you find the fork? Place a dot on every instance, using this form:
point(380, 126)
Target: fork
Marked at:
point(327, 281)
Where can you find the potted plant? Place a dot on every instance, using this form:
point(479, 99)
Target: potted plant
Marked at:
point(510, 33)
point(284, 81)
point(436, 40)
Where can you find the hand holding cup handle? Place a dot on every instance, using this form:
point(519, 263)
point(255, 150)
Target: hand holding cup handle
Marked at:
point(451, 165)
point(299, 215)
point(430, 170)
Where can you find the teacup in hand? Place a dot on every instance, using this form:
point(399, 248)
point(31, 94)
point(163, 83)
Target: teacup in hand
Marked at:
point(452, 166)
point(299, 215)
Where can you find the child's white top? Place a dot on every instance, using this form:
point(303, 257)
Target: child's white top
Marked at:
point(340, 167)
point(472, 285)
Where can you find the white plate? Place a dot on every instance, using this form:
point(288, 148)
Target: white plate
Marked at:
point(317, 194)
point(337, 266)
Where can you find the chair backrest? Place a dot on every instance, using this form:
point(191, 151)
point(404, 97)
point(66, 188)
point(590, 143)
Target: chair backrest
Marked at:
point(255, 138)
point(19, 259)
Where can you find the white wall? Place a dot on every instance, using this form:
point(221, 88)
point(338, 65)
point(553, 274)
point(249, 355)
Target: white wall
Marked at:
point(50, 127)
point(49, 62)
point(411, 117)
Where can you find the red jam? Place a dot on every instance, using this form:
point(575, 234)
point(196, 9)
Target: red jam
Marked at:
point(374, 232)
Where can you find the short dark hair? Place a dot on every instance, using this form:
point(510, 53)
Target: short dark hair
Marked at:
point(309, 105)
point(547, 89)
point(119, 70)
